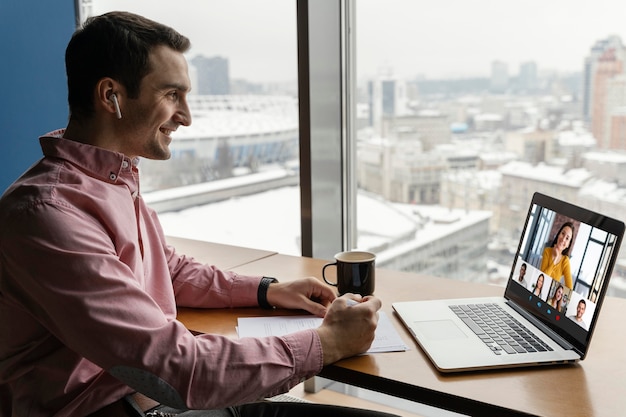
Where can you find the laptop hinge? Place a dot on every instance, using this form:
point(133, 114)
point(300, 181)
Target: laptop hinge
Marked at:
point(534, 320)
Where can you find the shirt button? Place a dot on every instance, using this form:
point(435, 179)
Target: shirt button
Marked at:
point(124, 164)
point(112, 176)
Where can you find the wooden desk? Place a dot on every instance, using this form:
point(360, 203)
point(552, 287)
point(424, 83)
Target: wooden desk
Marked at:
point(595, 387)
point(224, 256)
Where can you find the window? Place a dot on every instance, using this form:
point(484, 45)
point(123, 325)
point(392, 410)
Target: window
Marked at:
point(233, 176)
point(467, 108)
point(425, 127)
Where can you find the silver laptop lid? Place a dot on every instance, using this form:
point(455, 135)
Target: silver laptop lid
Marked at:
point(562, 267)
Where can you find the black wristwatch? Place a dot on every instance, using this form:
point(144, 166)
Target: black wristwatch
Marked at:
point(262, 292)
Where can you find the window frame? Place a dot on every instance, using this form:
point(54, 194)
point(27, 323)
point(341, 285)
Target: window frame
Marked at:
point(327, 94)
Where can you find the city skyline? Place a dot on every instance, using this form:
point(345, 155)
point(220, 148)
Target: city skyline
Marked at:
point(556, 35)
point(446, 39)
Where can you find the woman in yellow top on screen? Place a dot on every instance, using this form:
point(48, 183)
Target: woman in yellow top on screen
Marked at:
point(555, 261)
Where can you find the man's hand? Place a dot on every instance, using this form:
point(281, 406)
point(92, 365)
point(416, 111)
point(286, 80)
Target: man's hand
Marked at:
point(348, 328)
point(308, 294)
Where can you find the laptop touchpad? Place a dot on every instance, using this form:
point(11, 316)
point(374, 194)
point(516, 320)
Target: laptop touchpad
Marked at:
point(439, 329)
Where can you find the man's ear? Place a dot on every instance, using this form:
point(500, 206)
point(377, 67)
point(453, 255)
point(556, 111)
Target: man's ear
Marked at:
point(108, 97)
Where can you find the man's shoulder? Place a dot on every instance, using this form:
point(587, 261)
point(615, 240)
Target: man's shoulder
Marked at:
point(33, 186)
point(47, 184)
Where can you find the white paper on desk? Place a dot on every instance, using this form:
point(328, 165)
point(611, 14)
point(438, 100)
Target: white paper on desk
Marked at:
point(386, 339)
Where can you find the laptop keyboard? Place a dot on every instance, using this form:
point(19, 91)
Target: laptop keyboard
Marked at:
point(498, 329)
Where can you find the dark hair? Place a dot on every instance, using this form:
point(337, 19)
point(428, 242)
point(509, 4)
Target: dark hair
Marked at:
point(556, 237)
point(554, 296)
point(116, 45)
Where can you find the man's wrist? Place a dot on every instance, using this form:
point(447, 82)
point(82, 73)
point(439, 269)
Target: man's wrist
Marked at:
point(262, 292)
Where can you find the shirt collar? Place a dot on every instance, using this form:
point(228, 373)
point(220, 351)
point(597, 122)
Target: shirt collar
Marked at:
point(101, 163)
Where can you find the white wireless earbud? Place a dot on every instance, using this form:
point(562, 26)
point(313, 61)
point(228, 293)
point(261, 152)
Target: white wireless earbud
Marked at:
point(118, 112)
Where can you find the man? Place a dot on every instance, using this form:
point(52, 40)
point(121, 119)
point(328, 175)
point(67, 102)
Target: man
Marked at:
point(580, 312)
point(522, 276)
point(89, 287)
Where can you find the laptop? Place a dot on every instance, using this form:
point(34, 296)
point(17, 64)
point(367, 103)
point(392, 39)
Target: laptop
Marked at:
point(544, 317)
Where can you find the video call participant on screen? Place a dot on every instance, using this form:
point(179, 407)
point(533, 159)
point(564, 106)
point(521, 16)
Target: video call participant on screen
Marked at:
point(539, 285)
point(556, 300)
point(521, 279)
point(580, 312)
point(555, 260)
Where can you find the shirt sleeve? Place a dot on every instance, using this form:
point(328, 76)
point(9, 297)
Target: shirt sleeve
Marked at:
point(197, 284)
point(67, 271)
point(206, 286)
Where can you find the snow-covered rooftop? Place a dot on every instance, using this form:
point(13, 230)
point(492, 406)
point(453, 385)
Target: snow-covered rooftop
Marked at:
point(541, 172)
point(379, 222)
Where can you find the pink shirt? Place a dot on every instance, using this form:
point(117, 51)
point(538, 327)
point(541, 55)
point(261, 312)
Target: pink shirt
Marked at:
point(88, 296)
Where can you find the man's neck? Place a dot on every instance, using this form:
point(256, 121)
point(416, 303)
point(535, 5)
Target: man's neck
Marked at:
point(91, 133)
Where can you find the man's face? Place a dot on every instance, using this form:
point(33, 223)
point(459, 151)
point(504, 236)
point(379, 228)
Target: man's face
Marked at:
point(161, 107)
point(580, 310)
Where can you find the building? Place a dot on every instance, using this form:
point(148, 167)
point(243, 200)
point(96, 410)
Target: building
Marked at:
point(597, 50)
point(399, 171)
point(213, 77)
point(531, 144)
point(608, 66)
point(527, 80)
point(473, 190)
point(449, 243)
point(614, 118)
point(488, 122)
point(521, 179)
point(499, 77)
point(606, 166)
point(431, 127)
point(387, 98)
point(618, 129)
point(573, 144)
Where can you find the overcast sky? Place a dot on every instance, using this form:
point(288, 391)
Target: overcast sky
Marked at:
point(439, 38)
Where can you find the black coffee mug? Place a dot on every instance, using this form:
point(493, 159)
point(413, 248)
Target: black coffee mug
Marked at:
point(355, 272)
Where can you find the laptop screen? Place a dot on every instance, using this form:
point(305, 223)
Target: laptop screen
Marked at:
point(562, 267)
